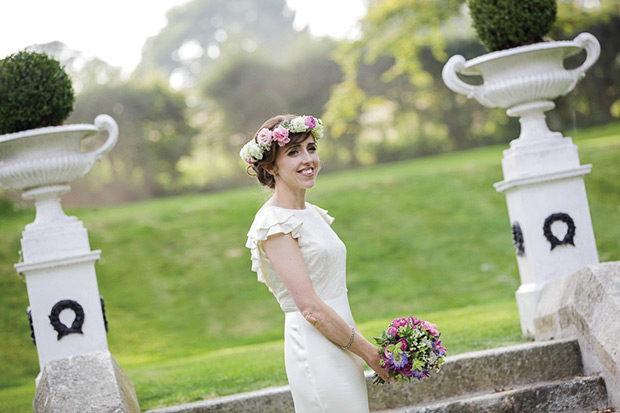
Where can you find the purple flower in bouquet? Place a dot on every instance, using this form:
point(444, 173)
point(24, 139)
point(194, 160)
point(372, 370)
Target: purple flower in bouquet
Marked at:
point(410, 347)
point(399, 359)
point(439, 349)
point(419, 374)
point(403, 344)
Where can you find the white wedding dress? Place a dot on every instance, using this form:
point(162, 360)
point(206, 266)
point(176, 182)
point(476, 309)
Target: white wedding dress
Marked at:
point(323, 377)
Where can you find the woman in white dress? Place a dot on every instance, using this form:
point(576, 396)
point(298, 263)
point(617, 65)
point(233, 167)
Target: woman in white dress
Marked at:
point(303, 262)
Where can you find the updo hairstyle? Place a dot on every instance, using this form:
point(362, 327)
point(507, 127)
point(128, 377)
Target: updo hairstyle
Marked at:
point(260, 169)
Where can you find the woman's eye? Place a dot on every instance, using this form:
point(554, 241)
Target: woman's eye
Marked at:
point(293, 152)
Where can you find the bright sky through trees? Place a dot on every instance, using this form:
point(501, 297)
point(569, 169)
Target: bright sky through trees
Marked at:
point(115, 30)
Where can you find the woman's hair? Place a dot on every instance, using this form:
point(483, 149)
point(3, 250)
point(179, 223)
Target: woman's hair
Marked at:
point(260, 168)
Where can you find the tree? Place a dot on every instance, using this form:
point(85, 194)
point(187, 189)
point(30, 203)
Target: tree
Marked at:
point(392, 102)
point(201, 32)
point(596, 99)
point(252, 89)
point(153, 135)
point(85, 72)
point(240, 94)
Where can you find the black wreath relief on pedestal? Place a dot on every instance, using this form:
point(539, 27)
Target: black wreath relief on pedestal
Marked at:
point(105, 319)
point(76, 326)
point(517, 239)
point(34, 340)
point(570, 232)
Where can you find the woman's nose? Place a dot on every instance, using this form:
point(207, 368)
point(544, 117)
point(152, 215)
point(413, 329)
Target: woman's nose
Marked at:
point(307, 156)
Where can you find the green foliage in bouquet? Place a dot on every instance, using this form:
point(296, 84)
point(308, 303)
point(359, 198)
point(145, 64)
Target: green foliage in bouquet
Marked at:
point(35, 91)
point(502, 24)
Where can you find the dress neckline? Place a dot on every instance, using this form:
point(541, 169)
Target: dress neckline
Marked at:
point(306, 207)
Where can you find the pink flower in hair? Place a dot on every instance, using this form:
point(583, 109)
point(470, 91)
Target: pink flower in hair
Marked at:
point(310, 122)
point(264, 137)
point(280, 135)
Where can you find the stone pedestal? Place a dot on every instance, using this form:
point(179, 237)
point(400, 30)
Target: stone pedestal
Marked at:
point(68, 322)
point(548, 210)
point(543, 179)
point(92, 382)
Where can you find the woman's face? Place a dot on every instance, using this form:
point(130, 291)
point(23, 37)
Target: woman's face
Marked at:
point(297, 165)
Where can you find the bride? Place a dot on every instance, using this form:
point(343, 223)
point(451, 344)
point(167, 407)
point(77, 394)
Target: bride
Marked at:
point(300, 258)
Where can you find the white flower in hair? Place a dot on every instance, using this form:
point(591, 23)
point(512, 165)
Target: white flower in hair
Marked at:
point(256, 151)
point(252, 152)
point(298, 125)
point(317, 132)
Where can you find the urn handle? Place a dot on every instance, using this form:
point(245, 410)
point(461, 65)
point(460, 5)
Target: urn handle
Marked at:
point(593, 51)
point(449, 74)
point(105, 123)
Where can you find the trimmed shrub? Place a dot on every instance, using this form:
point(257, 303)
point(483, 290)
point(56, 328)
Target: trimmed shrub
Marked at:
point(502, 24)
point(35, 91)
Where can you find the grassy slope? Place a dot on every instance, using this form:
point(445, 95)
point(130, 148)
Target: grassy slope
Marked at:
point(187, 320)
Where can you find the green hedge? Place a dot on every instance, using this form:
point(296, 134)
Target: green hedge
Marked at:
point(35, 91)
point(502, 24)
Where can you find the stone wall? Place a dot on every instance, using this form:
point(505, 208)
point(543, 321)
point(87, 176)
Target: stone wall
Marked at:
point(586, 305)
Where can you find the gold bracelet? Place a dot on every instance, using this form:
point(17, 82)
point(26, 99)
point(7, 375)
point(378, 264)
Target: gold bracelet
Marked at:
point(350, 341)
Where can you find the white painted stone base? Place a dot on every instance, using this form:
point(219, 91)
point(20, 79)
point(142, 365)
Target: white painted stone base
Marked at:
point(92, 382)
point(527, 297)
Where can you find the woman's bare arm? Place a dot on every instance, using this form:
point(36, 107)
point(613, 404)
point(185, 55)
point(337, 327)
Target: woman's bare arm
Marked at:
point(285, 256)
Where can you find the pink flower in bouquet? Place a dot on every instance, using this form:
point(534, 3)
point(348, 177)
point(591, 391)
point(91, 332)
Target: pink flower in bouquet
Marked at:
point(399, 322)
point(414, 321)
point(280, 135)
point(431, 328)
point(403, 344)
point(392, 331)
point(439, 349)
point(310, 122)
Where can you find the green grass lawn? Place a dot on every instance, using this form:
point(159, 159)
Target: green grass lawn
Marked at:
point(189, 321)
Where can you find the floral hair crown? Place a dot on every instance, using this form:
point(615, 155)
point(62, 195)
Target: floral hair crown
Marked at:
point(253, 151)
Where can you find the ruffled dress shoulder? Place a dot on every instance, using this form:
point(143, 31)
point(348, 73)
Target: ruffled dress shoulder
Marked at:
point(323, 252)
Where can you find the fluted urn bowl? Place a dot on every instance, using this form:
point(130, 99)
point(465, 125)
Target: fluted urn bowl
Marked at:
point(52, 155)
point(522, 74)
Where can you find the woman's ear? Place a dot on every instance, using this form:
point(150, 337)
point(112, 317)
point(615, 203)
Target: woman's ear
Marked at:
point(272, 171)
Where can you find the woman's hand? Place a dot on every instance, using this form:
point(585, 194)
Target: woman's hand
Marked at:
point(373, 361)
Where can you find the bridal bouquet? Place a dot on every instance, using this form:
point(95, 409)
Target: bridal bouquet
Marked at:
point(410, 347)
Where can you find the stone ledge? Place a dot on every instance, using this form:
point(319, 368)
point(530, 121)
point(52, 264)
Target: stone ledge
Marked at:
point(571, 396)
point(586, 306)
point(272, 399)
point(475, 372)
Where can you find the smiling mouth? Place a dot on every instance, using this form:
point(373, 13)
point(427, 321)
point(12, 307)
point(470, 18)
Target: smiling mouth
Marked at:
point(307, 172)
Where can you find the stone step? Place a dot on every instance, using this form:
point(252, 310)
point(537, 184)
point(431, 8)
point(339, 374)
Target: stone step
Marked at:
point(483, 372)
point(463, 375)
point(577, 395)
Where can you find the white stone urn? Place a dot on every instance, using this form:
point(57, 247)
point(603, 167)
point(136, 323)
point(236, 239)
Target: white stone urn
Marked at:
point(522, 74)
point(543, 179)
point(41, 162)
